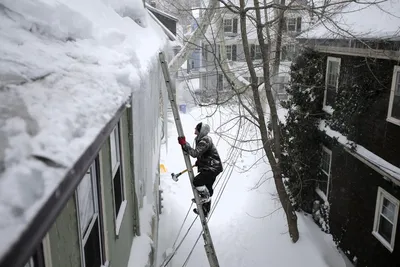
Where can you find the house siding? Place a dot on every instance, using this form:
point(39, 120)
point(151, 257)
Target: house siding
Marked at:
point(372, 130)
point(64, 238)
point(118, 247)
point(353, 201)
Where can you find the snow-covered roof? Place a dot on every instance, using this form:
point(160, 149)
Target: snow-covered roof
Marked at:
point(65, 70)
point(364, 19)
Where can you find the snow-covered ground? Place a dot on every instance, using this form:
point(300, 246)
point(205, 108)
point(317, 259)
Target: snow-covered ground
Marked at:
point(248, 226)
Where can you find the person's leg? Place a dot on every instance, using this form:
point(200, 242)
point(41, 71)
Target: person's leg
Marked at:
point(200, 182)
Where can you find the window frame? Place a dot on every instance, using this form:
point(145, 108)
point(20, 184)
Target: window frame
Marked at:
point(97, 216)
point(325, 107)
point(328, 180)
point(231, 25)
point(381, 195)
point(295, 24)
point(118, 214)
point(396, 74)
point(230, 53)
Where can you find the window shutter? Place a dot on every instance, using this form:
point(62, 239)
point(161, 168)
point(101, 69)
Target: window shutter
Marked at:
point(234, 53)
point(284, 25)
point(298, 24)
point(235, 26)
point(253, 51)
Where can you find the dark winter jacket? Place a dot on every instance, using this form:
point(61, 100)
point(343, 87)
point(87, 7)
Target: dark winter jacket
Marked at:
point(206, 153)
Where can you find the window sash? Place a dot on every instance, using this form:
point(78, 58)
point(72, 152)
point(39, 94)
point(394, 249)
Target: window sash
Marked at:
point(115, 149)
point(384, 228)
point(331, 80)
point(291, 24)
point(87, 195)
point(228, 49)
point(228, 25)
point(394, 100)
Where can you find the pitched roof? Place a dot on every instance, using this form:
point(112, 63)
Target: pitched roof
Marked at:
point(59, 86)
point(364, 19)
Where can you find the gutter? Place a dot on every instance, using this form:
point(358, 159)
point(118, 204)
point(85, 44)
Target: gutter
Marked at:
point(364, 160)
point(23, 248)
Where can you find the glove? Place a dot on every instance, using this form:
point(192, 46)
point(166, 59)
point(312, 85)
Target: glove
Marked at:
point(182, 140)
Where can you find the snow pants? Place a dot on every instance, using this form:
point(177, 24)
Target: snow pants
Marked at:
point(206, 179)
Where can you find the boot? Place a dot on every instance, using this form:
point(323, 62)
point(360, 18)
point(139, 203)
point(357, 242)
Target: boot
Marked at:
point(203, 193)
point(204, 211)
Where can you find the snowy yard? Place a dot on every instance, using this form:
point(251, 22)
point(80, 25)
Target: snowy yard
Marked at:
point(248, 226)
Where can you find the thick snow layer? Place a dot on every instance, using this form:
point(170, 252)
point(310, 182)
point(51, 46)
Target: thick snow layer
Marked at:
point(248, 226)
point(364, 19)
point(363, 152)
point(66, 66)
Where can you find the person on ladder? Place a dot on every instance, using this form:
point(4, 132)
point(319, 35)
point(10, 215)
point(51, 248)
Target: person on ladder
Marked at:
point(208, 164)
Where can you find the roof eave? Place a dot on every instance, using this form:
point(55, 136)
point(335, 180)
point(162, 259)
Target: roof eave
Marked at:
point(23, 248)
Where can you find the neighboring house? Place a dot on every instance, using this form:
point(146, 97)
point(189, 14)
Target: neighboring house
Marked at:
point(89, 215)
point(194, 60)
point(362, 103)
point(212, 78)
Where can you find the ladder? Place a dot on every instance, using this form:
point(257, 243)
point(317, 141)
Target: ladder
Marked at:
point(208, 244)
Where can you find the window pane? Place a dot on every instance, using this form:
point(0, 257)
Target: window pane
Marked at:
point(93, 247)
point(325, 161)
point(118, 193)
point(385, 229)
point(396, 99)
point(388, 209)
point(114, 148)
point(228, 52)
point(86, 200)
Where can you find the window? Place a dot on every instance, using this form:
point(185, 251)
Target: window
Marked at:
point(291, 24)
point(385, 221)
point(326, 161)
point(90, 220)
point(394, 101)
point(220, 82)
point(255, 52)
point(117, 176)
point(230, 25)
point(228, 49)
point(231, 52)
point(331, 82)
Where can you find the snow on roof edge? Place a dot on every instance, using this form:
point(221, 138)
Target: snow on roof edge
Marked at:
point(392, 171)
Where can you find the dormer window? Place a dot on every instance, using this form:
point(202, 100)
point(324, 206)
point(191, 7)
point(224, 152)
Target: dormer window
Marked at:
point(292, 24)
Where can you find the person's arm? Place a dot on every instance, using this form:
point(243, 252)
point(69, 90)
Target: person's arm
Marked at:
point(201, 147)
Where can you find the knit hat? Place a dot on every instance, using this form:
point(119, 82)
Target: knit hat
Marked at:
point(198, 126)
